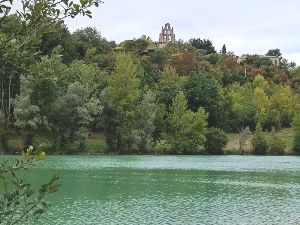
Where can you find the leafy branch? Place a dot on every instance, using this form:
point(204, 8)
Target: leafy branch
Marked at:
point(18, 201)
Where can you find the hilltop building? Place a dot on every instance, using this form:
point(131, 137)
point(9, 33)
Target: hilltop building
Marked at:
point(166, 36)
point(274, 59)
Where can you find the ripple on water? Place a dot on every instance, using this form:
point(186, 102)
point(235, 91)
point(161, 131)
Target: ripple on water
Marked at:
point(175, 190)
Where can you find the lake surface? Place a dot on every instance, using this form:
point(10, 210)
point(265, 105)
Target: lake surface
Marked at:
point(208, 190)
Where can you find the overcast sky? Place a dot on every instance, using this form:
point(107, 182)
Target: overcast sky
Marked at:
point(245, 26)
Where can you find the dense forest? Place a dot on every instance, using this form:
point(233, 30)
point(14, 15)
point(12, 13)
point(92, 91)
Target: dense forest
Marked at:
point(62, 87)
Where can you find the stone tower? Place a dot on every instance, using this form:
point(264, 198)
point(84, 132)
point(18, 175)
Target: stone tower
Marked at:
point(166, 36)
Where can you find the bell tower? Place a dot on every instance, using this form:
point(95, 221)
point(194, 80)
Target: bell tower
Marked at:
point(166, 36)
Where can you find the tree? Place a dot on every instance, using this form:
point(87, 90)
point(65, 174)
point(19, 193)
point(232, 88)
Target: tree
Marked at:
point(185, 63)
point(146, 121)
point(38, 17)
point(18, 48)
point(224, 51)
point(244, 134)
point(168, 87)
point(262, 104)
point(87, 39)
point(216, 140)
point(276, 145)
point(137, 46)
point(187, 129)
point(243, 106)
point(296, 127)
point(259, 141)
point(202, 90)
point(71, 115)
point(28, 117)
point(204, 44)
point(122, 104)
point(274, 52)
point(284, 102)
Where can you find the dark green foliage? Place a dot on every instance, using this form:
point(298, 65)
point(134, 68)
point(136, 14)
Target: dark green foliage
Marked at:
point(224, 51)
point(296, 126)
point(259, 141)
point(296, 144)
point(202, 90)
point(3, 135)
point(216, 140)
point(137, 46)
point(213, 58)
point(204, 44)
point(274, 52)
point(276, 145)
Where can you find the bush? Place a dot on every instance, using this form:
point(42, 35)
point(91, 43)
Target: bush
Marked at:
point(296, 127)
point(259, 141)
point(296, 144)
point(276, 146)
point(216, 140)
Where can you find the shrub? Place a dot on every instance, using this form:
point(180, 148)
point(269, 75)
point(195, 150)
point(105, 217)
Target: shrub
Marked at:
point(296, 127)
point(259, 141)
point(162, 147)
point(296, 144)
point(216, 140)
point(276, 146)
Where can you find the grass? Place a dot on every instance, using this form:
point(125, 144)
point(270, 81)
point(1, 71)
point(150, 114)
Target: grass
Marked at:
point(96, 143)
point(233, 144)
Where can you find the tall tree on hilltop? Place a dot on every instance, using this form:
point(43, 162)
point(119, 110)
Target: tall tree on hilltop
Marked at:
point(204, 44)
point(274, 52)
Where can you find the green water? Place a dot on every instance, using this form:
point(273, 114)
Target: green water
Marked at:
point(173, 190)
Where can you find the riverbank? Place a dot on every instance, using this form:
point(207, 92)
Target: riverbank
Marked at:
point(96, 144)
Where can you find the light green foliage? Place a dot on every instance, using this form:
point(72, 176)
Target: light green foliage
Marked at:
point(271, 105)
point(260, 98)
point(243, 106)
point(122, 104)
point(259, 141)
point(296, 127)
point(284, 102)
point(18, 200)
point(187, 129)
point(168, 87)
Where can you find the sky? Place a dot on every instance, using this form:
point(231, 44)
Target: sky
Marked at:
point(244, 26)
